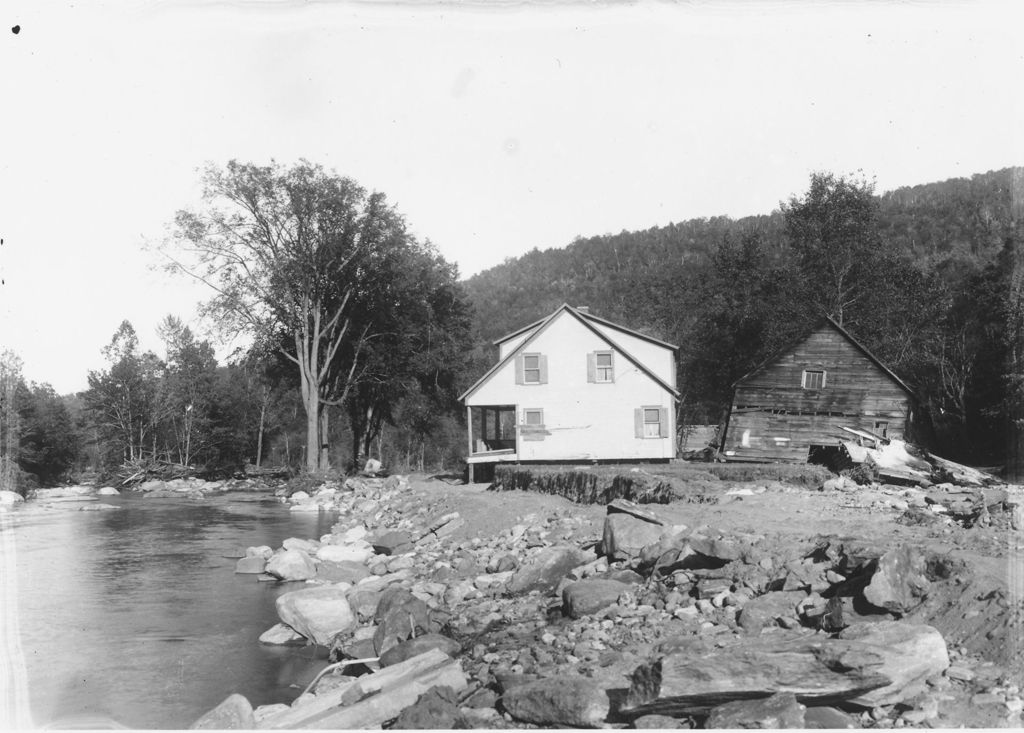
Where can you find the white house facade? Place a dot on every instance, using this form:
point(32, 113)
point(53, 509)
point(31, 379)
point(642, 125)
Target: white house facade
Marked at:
point(574, 387)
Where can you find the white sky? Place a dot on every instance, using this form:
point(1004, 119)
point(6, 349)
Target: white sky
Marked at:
point(493, 129)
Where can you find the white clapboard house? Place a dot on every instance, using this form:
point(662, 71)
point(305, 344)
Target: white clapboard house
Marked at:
point(573, 387)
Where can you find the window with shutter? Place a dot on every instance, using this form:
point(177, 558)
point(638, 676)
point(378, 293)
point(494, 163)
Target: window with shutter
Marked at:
point(651, 422)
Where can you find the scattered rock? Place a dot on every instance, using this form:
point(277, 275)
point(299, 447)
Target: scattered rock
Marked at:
point(825, 717)
point(251, 565)
point(393, 543)
point(10, 498)
point(291, 565)
point(778, 711)
point(282, 634)
point(358, 551)
point(108, 491)
point(910, 654)
point(899, 583)
point(625, 535)
point(235, 713)
point(345, 571)
point(766, 609)
point(565, 700)
point(436, 709)
point(317, 613)
point(545, 571)
point(586, 597)
point(418, 645)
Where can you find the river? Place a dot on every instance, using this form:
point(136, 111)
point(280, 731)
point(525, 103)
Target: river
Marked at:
point(136, 615)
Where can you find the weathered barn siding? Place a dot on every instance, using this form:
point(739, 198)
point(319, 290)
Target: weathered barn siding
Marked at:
point(773, 417)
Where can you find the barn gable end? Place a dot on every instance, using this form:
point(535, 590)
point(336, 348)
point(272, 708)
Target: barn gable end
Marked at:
point(805, 395)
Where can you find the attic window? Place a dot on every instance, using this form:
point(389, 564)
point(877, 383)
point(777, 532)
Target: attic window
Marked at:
point(813, 379)
point(600, 367)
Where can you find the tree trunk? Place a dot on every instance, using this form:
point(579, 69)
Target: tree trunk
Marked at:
point(263, 418)
point(325, 458)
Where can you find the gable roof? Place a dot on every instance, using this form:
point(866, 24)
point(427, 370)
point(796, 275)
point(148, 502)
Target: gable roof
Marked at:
point(584, 318)
point(842, 332)
point(587, 317)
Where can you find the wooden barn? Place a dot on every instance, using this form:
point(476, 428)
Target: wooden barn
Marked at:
point(795, 406)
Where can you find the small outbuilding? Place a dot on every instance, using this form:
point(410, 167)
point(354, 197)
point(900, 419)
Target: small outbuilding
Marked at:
point(802, 404)
point(573, 387)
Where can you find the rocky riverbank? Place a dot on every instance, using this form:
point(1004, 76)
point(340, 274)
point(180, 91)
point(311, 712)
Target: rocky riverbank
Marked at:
point(756, 604)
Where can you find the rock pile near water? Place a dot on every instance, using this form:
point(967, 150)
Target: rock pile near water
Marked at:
point(547, 624)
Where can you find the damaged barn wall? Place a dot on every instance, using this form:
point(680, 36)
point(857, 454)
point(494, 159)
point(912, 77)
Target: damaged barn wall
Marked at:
point(774, 417)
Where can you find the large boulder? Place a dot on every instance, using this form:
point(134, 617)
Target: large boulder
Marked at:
point(282, 634)
point(778, 711)
point(358, 551)
point(108, 491)
point(394, 542)
point(342, 572)
point(565, 700)
point(400, 615)
point(910, 652)
point(250, 565)
point(767, 609)
point(545, 570)
point(625, 535)
point(291, 565)
point(587, 597)
point(235, 713)
point(297, 543)
point(900, 583)
point(419, 645)
point(436, 709)
point(317, 613)
point(10, 498)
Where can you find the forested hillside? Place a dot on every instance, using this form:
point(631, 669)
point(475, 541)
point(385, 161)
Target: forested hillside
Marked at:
point(927, 276)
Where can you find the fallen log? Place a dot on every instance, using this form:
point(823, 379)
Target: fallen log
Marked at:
point(370, 701)
point(817, 671)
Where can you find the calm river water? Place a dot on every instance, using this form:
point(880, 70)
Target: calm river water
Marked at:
point(136, 615)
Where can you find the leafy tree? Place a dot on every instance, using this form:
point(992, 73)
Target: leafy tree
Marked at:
point(10, 420)
point(123, 400)
point(288, 253)
point(187, 390)
point(49, 443)
point(417, 352)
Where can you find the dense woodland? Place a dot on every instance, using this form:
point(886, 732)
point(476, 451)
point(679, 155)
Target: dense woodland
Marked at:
point(930, 278)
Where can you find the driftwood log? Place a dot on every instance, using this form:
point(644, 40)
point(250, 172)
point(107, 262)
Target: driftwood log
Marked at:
point(817, 671)
point(372, 700)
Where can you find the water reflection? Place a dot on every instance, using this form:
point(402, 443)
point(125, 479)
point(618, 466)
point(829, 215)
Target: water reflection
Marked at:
point(137, 615)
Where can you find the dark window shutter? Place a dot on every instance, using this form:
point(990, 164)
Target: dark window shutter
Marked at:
point(519, 369)
point(638, 422)
point(543, 369)
point(663, 421)
point(591, 367)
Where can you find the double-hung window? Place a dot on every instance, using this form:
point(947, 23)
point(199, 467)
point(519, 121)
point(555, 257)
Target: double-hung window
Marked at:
point(601, 367)
point(651, 422)
point(531, 369)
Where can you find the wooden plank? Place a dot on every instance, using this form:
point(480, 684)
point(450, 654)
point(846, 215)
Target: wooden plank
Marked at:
point(385, 679)
point(385, 704)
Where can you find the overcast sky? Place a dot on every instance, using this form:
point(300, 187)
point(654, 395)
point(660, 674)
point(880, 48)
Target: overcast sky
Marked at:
point(493, 129)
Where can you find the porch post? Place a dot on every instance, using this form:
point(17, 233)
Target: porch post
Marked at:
point(469, 432)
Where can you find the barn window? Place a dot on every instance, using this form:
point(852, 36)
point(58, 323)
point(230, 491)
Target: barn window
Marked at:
point(600, 367)
point(813, 379)
point(533, 417)
point(531, 369)
point(882, 428)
